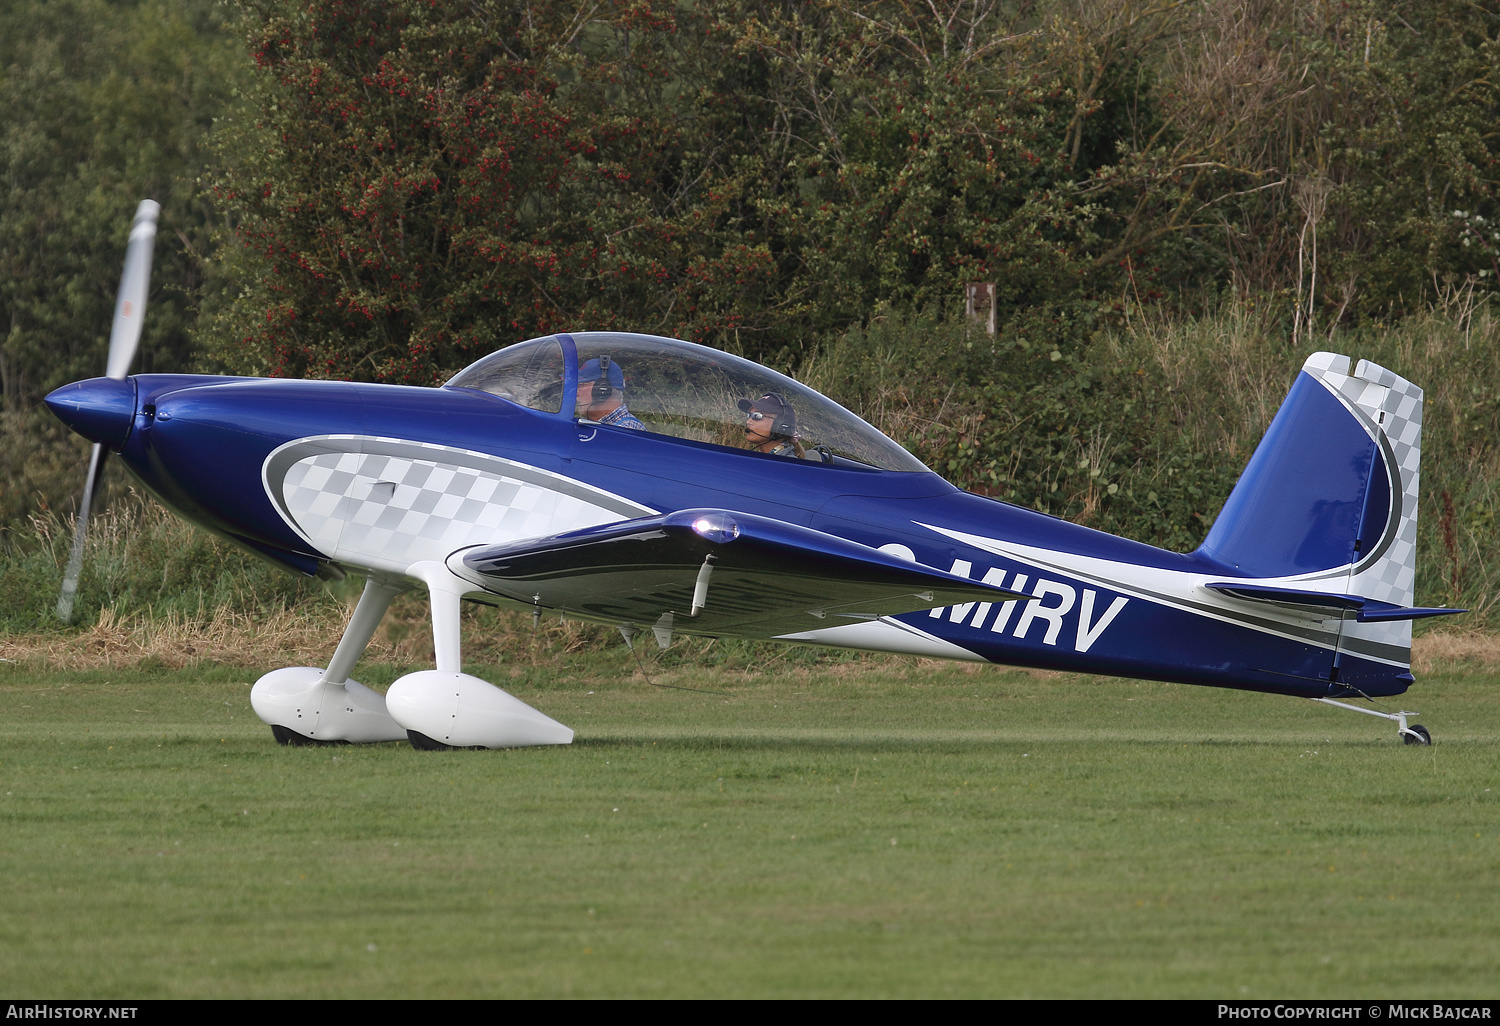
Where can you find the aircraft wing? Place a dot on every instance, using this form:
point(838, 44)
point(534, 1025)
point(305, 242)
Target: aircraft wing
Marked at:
point(706, 571)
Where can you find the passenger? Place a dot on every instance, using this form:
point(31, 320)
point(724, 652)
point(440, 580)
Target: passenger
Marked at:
point(601, 395)
point(771, 426)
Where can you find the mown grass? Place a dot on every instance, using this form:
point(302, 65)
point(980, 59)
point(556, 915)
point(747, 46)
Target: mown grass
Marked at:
point(898, 830)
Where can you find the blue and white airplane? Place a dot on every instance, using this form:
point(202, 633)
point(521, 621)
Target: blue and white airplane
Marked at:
point(661, 486)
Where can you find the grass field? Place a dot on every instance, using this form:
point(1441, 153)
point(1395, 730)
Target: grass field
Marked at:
point(867, 830)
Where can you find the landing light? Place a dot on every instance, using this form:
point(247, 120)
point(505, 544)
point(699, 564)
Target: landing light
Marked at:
point(717, 528)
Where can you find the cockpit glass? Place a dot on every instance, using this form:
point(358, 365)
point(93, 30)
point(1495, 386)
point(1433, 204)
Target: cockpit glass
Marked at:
point(530, 373)
point(688, 391)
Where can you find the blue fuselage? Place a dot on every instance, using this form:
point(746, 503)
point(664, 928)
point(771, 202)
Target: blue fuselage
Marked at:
point(203, 444)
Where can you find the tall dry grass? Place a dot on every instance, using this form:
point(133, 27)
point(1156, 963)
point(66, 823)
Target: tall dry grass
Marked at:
point(174, 640)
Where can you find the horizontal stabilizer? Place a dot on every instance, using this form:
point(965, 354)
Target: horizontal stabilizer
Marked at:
point(706, 571)
point(1366, 610)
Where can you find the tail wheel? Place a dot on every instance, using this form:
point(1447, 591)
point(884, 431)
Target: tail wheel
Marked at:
point(1416, 735)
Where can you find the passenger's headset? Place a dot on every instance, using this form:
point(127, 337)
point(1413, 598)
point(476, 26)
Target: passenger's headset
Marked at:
point(602, 387)
point(781, 425)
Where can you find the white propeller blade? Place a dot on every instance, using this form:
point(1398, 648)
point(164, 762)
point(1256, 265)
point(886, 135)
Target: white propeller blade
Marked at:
point(130, 306)
point(124, 336)
point(80, 534)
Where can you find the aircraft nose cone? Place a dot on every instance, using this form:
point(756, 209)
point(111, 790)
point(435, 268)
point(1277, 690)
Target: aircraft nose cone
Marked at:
point(99, 409)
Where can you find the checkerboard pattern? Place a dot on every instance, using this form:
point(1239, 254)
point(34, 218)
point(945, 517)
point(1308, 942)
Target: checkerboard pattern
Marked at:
point(416, 502)
point(1391, 408)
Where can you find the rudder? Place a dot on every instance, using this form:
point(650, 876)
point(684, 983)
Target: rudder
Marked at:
point(1328, 501)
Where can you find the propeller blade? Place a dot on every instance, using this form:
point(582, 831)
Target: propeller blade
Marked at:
point(130, 305)
point(80, 533)
point(124, 336)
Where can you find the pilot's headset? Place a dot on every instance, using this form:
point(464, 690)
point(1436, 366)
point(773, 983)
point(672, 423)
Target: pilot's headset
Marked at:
point(602, 387)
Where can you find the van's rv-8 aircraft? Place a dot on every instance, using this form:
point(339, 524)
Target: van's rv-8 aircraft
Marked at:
point(521, 483)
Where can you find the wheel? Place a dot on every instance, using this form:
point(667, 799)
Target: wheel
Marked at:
point(422, 743)
point(1422, 737)
point(288, 736)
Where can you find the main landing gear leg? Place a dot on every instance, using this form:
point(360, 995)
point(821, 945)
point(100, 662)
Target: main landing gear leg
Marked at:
point(447, 708)
point(1416, 734)
point(305, 705)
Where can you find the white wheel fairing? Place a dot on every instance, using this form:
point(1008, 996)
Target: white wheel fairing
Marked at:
point(296, 698)
point(466, 712)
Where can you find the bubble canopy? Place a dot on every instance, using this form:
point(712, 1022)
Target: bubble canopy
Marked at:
point(679, 389)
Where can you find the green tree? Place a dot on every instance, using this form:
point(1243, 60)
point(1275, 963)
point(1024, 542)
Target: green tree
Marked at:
point(101, 105)
point(423, 183)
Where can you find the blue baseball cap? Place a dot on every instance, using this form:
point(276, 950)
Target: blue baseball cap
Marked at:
point(590, 372)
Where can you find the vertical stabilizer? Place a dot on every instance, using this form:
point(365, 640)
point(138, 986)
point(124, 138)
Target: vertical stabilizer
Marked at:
point(1328, 502)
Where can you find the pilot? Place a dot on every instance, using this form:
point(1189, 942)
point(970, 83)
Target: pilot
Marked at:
point(771, 426)
point(601, 394)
